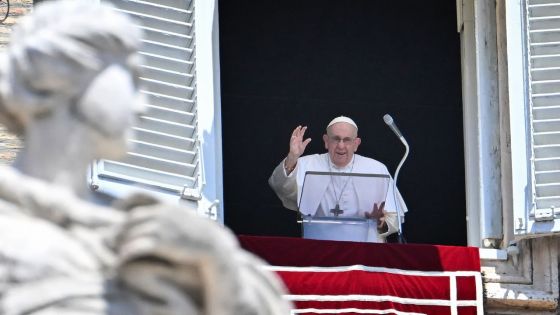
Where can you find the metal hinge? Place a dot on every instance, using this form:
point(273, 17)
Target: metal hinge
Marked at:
point(191, 194)
point(546, 214)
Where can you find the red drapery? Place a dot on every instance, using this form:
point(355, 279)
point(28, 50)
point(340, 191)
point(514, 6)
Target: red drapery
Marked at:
point(331, 277)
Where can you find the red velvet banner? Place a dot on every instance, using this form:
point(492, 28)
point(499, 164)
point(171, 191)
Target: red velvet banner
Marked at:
point(331, 277)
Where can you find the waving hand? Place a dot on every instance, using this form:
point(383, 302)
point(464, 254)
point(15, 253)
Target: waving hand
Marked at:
point(297, 146)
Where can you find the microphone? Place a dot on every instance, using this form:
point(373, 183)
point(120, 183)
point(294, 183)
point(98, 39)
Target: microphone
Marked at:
point(389, 121)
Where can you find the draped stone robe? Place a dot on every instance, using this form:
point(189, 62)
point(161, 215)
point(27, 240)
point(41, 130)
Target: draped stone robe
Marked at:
point(62, 255)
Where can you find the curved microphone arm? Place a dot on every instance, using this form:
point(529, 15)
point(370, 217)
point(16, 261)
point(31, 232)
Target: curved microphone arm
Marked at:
point(397, 200)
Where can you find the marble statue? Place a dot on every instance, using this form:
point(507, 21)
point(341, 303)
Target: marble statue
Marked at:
point(69, 88)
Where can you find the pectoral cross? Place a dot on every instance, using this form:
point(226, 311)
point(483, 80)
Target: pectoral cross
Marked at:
point(336, 211)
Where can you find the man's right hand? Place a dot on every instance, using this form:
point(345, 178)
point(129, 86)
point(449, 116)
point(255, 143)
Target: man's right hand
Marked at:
point(297, 146)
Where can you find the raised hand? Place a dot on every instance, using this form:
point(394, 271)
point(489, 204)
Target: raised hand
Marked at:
point(297, 146)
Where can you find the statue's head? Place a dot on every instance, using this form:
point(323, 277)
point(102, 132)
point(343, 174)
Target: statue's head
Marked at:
point(72, 54)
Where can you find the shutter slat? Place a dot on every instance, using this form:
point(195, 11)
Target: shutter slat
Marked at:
point(163, 126)
point(136, 174)
point(549, 190)
point(533, 2)
point(547, 164)
point(546, 61)
point(151, 136)
point(155, 9)
point(546, 99)
point(168, 88)
point(175, 52)
point(173, 103)
point(172, 77)
point(547, 151)
point(547, 202)
point(166, 63)
point(546, 112)
point(163, 152)
point(167, 38)
point(162, 24)
point(544, 87)
point(544, 74)
point(163, 165)
point(546, 125)
point(543, 23)
point(170, 115)
point(550, 48)
point(543, 138)
point(545, 36)
point(548, 177)
point(184, 4)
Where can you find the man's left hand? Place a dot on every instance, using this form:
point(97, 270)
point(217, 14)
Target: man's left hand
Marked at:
point(377, 213)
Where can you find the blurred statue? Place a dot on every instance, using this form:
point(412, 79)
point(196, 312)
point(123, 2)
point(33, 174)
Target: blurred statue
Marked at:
point(67, 84)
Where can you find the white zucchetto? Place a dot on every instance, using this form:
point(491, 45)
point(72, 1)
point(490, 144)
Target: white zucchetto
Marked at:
point(342, 119)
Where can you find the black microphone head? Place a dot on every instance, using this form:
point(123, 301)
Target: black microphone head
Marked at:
point(388, 119)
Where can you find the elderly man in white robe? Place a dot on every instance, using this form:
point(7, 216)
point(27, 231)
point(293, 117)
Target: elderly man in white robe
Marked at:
point(340, 195)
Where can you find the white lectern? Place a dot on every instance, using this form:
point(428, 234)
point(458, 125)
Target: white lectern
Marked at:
point(370, 188)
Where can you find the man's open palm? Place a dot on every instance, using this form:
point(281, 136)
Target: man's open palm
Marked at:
point(297, 144)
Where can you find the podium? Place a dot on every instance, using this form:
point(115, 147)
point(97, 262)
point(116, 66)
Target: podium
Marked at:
point(370, 189)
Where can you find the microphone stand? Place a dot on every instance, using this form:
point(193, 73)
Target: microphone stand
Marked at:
point(400, 237)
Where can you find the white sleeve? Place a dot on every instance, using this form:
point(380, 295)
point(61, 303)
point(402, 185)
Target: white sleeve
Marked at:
point(285, 186)
point(392, 224)
point(393, 202)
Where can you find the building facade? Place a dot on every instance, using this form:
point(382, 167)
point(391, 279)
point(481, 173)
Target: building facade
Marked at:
point(511, 118)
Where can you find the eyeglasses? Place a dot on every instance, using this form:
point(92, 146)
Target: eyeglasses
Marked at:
point(337, 140)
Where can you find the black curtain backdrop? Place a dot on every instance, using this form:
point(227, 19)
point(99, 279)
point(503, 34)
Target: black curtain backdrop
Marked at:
point(291, 62)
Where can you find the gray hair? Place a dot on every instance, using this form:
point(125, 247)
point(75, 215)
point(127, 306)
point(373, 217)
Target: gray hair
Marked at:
point(55, 53)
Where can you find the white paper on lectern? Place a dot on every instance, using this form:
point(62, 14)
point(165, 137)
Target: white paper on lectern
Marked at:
point(370, 188)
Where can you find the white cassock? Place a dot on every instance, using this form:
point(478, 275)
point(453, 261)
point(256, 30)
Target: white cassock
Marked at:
point(353, 195)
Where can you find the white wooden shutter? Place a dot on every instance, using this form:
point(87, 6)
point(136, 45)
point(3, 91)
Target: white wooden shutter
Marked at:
point(542, 51)
point(165, 154)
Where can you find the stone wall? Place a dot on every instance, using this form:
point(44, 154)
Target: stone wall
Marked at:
point(18, 8)
point(10, 144)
